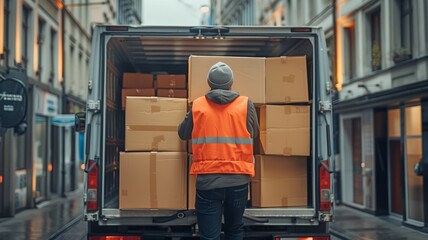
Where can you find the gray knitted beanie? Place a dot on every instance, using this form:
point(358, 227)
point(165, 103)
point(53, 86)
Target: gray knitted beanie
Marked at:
point(220, 76)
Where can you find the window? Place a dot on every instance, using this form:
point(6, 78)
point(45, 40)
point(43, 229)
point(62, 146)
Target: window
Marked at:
point(375, 35)
point(52, 59)
point(71, 70)
point(6, 32)
point(40, 41)
point(404, 47)
point(406, 24)
point(25, 35)
point(349, 54)
point(330, 53)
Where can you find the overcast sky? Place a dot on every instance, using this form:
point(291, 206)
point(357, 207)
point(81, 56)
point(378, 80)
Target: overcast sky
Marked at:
point(172, 12)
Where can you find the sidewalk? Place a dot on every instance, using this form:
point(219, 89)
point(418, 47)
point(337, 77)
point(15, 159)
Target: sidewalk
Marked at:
point(44, 221)
point(353, 224)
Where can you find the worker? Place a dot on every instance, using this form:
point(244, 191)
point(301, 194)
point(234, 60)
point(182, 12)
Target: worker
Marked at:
point(222, 125)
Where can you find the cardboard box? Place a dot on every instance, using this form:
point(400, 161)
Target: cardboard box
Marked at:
point(285, 130)
point(191, 188)
point(152, 124)
point(286, 80)
point(137, 80)
point(177, 93)
point(280, 182)
point(171, 81)
point(248, 75)
point(141, 92)
point(153, 180)
point(263, 80)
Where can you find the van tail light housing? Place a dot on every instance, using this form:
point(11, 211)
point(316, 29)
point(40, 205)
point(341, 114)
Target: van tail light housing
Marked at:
point(303, 238)
point(325, 189)
point(92, 190)
point(114, 238)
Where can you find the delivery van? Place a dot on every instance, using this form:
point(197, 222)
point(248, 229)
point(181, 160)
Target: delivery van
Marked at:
point(283, 70)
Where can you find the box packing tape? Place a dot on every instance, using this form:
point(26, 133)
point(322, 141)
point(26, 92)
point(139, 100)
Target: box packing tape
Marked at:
point(288, 78)
point(153, 184)
point(155, 109)
point(156, 141)
point(284, 201)
point(287, 151)
point(151, 128)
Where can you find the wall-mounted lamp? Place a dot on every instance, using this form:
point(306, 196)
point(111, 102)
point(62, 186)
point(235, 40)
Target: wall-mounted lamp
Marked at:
point(364, 86)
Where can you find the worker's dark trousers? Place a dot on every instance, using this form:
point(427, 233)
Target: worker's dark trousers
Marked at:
point(210, 205)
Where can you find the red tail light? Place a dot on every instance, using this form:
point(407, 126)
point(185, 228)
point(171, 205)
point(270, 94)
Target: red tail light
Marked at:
point(325, 204)
point(92, 192)
point(302, 238)
point(114, 238)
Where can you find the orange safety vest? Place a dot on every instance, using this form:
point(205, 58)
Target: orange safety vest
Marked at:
point(221, 142)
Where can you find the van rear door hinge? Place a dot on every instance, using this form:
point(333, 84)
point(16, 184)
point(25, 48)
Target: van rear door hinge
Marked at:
point(93, 105)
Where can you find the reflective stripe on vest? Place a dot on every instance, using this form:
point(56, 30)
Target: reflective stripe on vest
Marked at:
point(229, 140)
point(221, 142)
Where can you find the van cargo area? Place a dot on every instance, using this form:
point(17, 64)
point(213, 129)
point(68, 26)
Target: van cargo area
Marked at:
point(166, 50)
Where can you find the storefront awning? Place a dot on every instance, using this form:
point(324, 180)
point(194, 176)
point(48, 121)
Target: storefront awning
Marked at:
point(404, 93)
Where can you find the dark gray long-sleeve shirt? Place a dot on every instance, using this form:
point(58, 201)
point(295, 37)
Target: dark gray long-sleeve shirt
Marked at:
point(213, 181)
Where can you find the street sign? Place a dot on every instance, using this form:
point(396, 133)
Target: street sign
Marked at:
point(63, 120)
point(13, 102)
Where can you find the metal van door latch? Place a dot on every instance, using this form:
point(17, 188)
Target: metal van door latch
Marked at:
point(93, 105)
point(325, 106)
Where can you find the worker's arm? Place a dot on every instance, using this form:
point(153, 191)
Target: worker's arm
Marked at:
point(186, 127)
point(252, 121)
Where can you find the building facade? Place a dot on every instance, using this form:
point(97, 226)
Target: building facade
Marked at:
point(46, 44)
point(382, 79)
point(381, 111)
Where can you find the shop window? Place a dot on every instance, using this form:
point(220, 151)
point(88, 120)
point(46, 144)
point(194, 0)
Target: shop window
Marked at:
point(394, 123)
point(414, 182)
point(413, 121)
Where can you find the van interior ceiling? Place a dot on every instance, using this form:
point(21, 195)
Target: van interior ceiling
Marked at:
point(166, 54)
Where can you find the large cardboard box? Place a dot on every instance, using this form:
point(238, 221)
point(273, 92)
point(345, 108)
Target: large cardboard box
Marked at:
point(152, 124)
point(171, 81)
point(248, 75)
point(153, 180)
point(280, 182)
point(263, 80)
point(286, 80)
point(137, 80)
point(285, 130)
point(140, 92)
point(191, 188)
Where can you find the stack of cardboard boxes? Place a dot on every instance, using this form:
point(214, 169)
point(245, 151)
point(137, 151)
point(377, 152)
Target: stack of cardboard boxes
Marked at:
point(147, 84)
point(279, 88)
point(153, 168)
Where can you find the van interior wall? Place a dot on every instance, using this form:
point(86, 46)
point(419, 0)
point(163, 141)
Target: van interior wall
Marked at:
point(170, 55)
